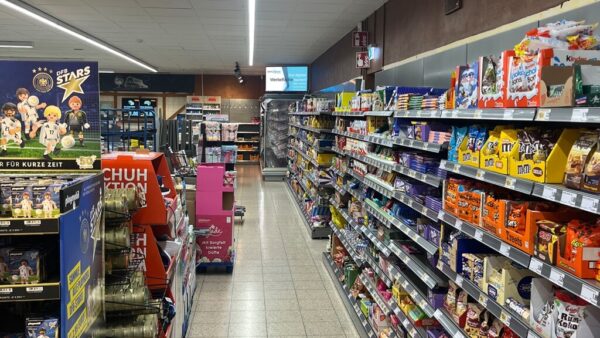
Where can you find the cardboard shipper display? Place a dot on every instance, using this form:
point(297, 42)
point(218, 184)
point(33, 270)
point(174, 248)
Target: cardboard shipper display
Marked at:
point(569, 86)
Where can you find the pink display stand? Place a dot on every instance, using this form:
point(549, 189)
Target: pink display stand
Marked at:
point(215, 207)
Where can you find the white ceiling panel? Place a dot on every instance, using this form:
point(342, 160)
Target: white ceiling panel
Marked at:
point(185, 36)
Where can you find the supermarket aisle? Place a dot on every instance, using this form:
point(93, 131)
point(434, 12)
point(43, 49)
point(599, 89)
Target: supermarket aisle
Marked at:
point(279, 287)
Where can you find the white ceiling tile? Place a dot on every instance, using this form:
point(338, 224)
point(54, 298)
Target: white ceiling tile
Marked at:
point(170, 4)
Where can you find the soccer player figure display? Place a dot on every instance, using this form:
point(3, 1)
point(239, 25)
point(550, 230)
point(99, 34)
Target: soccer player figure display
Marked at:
point(11, 128)
point(27, 107)
point(51, 131)
point(76, 119)
point(48, 205)
point(26, 205)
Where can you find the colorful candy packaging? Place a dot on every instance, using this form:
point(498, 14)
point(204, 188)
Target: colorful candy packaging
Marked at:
point(458, 134)
point(568, 314)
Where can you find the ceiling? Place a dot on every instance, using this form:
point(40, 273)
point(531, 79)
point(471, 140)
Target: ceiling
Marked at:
point(187, 36)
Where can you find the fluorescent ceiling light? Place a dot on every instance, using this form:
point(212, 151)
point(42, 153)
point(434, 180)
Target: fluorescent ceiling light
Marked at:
point(46, 19)
point(106, 71)
point(16, 44)
point(251, 21)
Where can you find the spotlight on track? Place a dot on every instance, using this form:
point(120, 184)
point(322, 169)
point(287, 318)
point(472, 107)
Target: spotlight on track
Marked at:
point(238, 73)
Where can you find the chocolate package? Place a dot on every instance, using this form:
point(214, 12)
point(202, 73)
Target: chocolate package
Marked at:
point(466, 96)
point(578, 157)
point(591, 179)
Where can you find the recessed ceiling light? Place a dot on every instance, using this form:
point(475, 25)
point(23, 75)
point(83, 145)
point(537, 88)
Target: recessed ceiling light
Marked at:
point(16, 44)
point(106, 71)
point(251, 23)
point(53, 22)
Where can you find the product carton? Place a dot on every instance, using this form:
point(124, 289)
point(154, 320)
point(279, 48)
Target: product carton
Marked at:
point(588, 94)
point(523, 80)
point(466, 154)
point(494, 215)
point(493, 73)
point(582, 259)
point(503, 280)
point(467, 92)
point(343, 101)
point(536, 170)
point(557, 86)
point(42, 327)
point(495, 152)
point(24, 266)
point(567, 57)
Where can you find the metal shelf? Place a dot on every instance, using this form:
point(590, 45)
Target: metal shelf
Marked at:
point(504, 114)
point(572, 114)
point(355, 257)
point(29, 292)
point(418, 297)
point(445, 319)
point(508, 182)
point(385, 306)
point(422, 269)
point(349, 114)
point(426, 113)
point(29, 226)
point(509, 318)
point(314, 130)
point(358, 319)
point(420, 145)
point(382, 113)
point(311, 113)
point(315, 232)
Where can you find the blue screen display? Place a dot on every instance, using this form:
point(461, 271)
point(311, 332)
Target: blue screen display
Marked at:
point(287, 79)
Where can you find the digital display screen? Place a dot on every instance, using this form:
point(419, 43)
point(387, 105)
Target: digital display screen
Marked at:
point(287, 79)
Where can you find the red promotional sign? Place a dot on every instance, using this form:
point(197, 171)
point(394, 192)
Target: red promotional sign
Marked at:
point(360, 39)
point(362, 60)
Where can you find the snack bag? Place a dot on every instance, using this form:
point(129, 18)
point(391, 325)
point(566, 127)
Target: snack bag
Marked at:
point(591, 178)
point(568, 314)
point(473, 322)
point(458, 134)
point(578, 157)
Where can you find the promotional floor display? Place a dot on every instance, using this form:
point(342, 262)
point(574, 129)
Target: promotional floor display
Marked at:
point(470, 212)
point(51, 223)
point(309, 155)
point(150, 265)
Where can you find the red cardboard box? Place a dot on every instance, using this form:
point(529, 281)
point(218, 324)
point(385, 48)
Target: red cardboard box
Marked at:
point(488, 97)
point(524, 78)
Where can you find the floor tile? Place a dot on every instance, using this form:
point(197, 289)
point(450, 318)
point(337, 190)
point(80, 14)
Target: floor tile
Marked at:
point(210, 330)
point(281, 304)
point(323, 328)
point(282, 285)
point(319, 315)
point(315, 303)
point(280, 294)
point(283, 316)
point(247, 316)
point(257, 328)
point(211, 317)
point(308, 285)
point(211, 306)
point(248, 305)
point(285, 329)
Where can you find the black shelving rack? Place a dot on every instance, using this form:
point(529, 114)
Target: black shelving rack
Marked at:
point(120, 126)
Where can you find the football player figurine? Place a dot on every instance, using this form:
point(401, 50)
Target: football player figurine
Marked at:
point(42, 334)
point(76, 119)
point(28, 106)
point(48, 205)
point(25, 271)
point(3, 269)
point(51, 131)
point(11, 128)
point(26, 205)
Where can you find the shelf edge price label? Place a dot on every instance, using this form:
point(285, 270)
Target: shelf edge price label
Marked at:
point(480, 174)
point(505, 318)
point(589, 294)
point(589, 204)
point(549, 193)
point(458, 225)
point(509, 183)
point(508, 114)
point(543, 114)
point(568, 198)
point(478, 235)
point(505, 249)
point(557, 277)
point(477, 113)
point(459, 280)
point(483, 299)
point(579, 114)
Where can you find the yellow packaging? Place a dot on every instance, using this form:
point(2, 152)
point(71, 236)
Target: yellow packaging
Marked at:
point(343, 101)
point(374, 123)
point(324, 159)
point(496, 150)
point(552, 169)
point(467, 156)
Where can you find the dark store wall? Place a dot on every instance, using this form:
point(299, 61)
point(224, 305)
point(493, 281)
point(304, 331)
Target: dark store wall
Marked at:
point(402, 29)
point(228, 87)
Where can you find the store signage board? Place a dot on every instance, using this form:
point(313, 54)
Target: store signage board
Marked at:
point(362, 60)
point(360, 39)
point(144, 83)
point(286, 79)
point(53, 120)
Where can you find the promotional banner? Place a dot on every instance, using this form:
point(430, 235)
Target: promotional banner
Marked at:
point(141, 83)
point(49, 119)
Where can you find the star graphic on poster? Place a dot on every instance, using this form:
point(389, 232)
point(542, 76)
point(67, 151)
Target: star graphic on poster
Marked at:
point(39, 69)
point(73, 86)
point(45, 69)
point(33, 70)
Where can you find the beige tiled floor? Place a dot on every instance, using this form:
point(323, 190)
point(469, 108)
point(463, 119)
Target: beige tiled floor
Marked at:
point(279, 286)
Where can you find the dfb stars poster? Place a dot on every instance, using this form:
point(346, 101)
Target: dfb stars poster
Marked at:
point(49, 117)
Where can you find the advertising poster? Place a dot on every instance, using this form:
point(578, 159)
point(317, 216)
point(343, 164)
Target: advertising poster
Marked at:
point(287, 79)
point(82, 266)
point(49, 118)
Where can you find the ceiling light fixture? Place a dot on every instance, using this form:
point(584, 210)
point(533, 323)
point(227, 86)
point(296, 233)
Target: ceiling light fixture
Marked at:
point(16, 44)
point(251, 24)
point(237, 72)
point(106, 71)
point(53, 22)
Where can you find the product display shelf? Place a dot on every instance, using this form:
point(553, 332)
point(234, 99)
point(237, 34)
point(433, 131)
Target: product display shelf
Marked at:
point(569, 114)
point(451, 327)
point(379, 140)
point(378, 244)
point(315, 232)
point(311, 113)
point(358, 318)
point(388, 220)
point(385, 306)
point(388, 191)
point(575, 114)
point(392, 141)
point(314, 130)
point(515, 322)
point(381, 113)
point(415, 293)
point(339, 233)
point(372, 262)
point(586, 289)
point(338, 151)
point(349, 114)
point(306, 156)
point(390, 166)
point(417, 113)
point(311, 145)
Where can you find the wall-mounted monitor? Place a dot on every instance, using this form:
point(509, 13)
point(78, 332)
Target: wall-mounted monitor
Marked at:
point(287, 79)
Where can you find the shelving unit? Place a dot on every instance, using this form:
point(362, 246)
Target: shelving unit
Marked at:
point(428, 275)
point(308, 158)
point(122, 129)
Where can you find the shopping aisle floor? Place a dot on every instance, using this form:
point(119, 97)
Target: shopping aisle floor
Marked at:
point(279, 286)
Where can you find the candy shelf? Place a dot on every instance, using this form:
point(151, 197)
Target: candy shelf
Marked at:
point(382, 113)
point(509, 318)
point(445, 319)
point(315, 232)
point(420, 145)
point(339, 234)
point(349, 114)
point(378, 271)
point(508, 114)
point(385, 306)
point(432, 114)
point(383, 141)
point(388, 221)
point(306, 156)
point(421, 268)
point(358, 319)
point(415, 293)
point(311, 113)
point(551, 192)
